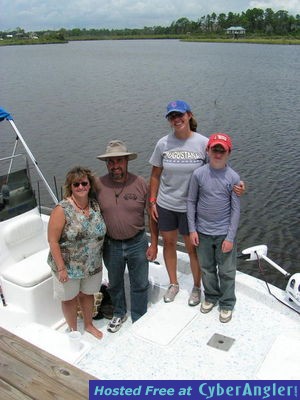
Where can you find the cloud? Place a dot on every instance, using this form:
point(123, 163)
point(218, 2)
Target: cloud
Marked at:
point(292, 6)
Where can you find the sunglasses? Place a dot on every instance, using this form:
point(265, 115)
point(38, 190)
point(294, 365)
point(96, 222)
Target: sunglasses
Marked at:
point(174, 115)
point(83, 183)
point(218, 150)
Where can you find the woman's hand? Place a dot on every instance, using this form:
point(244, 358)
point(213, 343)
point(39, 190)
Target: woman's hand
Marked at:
point(153, 191)
point(55, 228)
point(63, 275)
point(153, 212)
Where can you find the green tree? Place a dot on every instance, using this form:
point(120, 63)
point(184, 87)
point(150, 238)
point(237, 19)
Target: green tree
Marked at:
point(269, 21)
point(232, 19)
point(182, 25)
point(222, 21)
point(281, 19)
point(255, 19)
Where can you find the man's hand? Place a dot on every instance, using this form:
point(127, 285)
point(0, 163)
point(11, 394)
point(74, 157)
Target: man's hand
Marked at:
point(151, 252)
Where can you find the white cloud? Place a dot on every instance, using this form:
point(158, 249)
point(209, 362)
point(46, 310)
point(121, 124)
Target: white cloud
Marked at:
point(292, 6)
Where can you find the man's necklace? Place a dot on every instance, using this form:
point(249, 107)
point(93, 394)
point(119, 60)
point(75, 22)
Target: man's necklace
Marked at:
point(118, 194)
point(84, 210)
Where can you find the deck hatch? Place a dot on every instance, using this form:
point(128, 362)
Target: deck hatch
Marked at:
point(220, 342)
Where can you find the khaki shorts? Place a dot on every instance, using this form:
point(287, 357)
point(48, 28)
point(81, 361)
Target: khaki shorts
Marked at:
point(70, 289)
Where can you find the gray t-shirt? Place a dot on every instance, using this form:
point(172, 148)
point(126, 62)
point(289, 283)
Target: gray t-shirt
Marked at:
point(213, 208)
point(179, 158)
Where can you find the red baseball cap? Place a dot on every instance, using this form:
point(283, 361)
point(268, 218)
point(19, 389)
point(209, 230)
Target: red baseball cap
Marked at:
point(220, 138)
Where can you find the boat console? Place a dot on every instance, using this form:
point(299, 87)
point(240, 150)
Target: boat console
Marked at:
point(16, 194)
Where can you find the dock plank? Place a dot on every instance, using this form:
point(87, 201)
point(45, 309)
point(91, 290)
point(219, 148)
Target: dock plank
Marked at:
point(9, 392)
point(30, 371)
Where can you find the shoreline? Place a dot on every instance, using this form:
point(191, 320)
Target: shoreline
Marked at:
point(258, 40)
point(284, 41)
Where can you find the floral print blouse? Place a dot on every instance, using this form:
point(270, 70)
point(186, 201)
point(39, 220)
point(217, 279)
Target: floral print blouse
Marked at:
point(81, 241)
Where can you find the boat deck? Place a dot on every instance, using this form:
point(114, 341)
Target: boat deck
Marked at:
point(176, 342)
point(171, 341)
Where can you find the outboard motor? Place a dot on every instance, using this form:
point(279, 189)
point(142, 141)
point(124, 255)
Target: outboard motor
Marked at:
point(293, 288)
point(260, 252)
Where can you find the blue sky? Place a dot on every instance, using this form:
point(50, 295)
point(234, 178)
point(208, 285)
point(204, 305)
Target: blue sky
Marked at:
point(55, 14)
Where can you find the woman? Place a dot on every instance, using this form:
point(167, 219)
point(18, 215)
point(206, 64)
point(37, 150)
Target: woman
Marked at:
point(174, 159)
point(76, 233)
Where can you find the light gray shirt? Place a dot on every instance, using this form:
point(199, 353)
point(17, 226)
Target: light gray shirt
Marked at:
point(179, 158)
point(212, 206)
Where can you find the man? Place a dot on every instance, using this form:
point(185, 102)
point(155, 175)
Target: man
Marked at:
point(123, 199)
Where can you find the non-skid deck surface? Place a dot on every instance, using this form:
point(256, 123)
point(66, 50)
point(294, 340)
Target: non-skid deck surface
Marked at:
point(171, 341)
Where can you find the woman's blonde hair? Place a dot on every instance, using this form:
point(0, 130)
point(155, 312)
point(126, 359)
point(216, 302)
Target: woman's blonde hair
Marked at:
point(75, 174)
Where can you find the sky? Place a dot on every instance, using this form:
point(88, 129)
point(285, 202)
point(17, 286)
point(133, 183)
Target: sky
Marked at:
point(35, 15)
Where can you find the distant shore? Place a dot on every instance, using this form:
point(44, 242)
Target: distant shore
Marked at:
point(28, 42)
point(184, 38)
point(252, 40)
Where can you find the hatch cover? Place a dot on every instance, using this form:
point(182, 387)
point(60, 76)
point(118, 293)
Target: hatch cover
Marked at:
point(220, 342)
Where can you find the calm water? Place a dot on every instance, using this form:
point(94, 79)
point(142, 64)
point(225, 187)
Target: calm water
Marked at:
point(69, 100)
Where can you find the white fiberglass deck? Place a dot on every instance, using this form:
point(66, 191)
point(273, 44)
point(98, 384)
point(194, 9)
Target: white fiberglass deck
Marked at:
point(170, 341)
point(260, 329)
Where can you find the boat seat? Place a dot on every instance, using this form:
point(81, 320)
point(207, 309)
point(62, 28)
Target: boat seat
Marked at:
point(28, 289)
point(30, 271)
point(25, 236)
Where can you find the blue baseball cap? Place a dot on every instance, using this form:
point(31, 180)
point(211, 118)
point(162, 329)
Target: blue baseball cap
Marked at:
point(178, 106)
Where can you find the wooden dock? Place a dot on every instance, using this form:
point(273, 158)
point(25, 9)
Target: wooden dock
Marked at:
point(27, 372)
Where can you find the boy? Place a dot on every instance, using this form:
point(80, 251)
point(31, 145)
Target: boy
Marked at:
point(213, 211)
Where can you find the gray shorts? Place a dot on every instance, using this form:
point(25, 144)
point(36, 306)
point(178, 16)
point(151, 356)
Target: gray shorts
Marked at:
point(169, 220)
point(70, 289)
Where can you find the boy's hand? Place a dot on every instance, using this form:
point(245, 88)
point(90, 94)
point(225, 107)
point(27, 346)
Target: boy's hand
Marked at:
point(194, 238)
point(227, 246)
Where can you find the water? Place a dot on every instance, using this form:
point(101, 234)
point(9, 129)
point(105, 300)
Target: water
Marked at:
point(68, 100)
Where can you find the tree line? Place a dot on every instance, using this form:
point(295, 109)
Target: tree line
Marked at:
point(256, 21)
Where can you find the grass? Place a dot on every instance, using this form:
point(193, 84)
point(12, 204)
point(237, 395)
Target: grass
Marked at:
point(283, 40)
point(184, 38)
point(20, 42)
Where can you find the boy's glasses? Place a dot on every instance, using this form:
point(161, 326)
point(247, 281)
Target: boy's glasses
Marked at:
point(77, 184)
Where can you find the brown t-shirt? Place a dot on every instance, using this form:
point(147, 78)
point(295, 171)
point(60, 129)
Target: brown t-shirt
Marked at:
point(123, 205)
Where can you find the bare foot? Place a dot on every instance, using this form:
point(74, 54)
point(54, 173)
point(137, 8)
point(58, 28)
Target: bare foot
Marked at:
point(94, 331)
